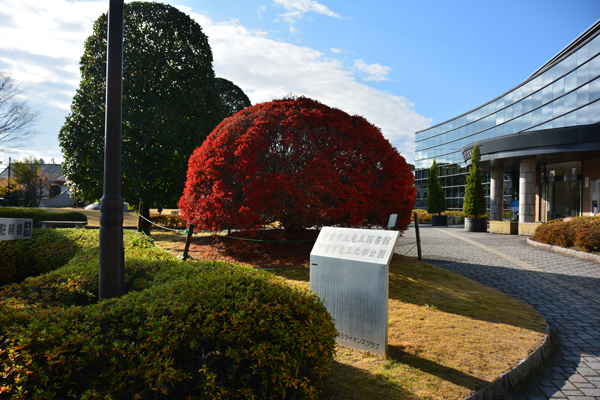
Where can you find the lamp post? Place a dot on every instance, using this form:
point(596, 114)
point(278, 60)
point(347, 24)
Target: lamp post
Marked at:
point(112, 273)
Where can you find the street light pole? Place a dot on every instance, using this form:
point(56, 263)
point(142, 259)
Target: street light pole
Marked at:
point(112, 273)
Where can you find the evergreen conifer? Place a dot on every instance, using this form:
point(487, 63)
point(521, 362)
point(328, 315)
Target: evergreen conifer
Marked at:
point(474, 203)
point(436, 200)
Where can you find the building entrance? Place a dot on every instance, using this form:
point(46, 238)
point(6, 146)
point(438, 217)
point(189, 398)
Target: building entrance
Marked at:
point(561, 194)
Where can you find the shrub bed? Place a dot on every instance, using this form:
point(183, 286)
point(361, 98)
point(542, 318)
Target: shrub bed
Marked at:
point(169, 221)
point(424, 216)
point(581, 233)
point(182, 330)
point(47, 250)
point(37, 214)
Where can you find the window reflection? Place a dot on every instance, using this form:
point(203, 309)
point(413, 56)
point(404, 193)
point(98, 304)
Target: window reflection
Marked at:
point(570, 101)
point(558, 107)
point(582, 74)
point(583, 54)
point(547, 94)
point(558, 88)
point(582, 95)
point(594, 91)
point(582, 116)
point(594, 112)
point(536, 100)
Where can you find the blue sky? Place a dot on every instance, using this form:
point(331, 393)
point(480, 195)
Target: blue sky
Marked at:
point(404, 65)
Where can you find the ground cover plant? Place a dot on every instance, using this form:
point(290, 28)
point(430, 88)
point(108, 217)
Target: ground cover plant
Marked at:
point(182, 330)
point(579, 233)
point(38, 214)
point(448, 335)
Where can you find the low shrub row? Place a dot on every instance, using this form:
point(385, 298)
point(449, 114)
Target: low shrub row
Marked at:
point(37, 214)
point(424, 216)
point(169, 221)
point(47, 250)
point(581, 233)
point(182, 330)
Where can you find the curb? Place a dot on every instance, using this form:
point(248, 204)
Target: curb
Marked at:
point(508, 381)
point(569, 252)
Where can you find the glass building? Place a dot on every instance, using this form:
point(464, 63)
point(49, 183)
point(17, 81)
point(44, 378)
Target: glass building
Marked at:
point(539, 142)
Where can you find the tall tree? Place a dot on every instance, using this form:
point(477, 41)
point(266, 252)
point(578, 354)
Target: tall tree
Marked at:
point(16, 118)
point(299, 163)
point(233, 98)
point(474, 203)
point(436, 199)
point(170, 104)
point(29, 174)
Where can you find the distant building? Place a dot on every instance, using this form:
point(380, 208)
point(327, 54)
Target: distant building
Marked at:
point(539, 142)
point(56, 177)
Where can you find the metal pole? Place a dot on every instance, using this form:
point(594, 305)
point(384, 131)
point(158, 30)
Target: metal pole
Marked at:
point(188, 240)
point(419, 254)
point(112, 273)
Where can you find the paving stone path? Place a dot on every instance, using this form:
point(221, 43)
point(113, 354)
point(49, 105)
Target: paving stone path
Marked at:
point(563, 289)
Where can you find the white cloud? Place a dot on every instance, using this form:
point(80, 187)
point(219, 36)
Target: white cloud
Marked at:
point(261, 9)
point(267, 69)
point(337, 51)
point(296, 9)
point(41, 47)
point(374, 72)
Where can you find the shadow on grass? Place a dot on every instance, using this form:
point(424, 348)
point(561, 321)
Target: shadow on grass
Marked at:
point(347, 382)
point(448, 374)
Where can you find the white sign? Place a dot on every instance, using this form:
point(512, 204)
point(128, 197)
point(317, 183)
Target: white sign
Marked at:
point(349, 270)
point(15, 228)
point(392, 221)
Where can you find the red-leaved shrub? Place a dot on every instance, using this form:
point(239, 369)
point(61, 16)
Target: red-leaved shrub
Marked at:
point(299, 163)
point(582, 233)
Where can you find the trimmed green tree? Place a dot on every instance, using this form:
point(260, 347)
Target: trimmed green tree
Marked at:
point(170, 104)
point(436, 200)
point(233, 98)
point(474, 203)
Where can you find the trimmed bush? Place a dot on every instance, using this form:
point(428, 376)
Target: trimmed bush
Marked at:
point(37, 214)
point(581, 233)
point(47, 250)
point(169, 221)
point(182, 330)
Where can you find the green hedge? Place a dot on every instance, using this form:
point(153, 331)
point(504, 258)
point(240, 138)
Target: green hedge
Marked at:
point(38, 214)
point(581, 233)
point(47, 250)
point(183, 330)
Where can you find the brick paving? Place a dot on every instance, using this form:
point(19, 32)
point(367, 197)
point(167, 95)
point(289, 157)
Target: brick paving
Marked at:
point(563, 289)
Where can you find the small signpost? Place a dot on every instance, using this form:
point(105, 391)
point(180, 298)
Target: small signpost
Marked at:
point(15, 228)
point(349, 270)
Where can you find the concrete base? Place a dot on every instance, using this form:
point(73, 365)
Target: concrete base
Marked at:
point(439, 220)
point(504, 227)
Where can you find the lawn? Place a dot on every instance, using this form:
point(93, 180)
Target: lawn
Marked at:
point(448, 335)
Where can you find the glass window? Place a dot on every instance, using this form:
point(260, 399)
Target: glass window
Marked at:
point(547, 94)
point(508, 128)
point(500, 103)
point(595, 90)
point(582, 74)
point(558, 107)
point(508, 113)
point(571, 119)
point(582, 116)
point(469, 129)
point(477, 114)
point(594, 112)
point(536, 117)
point(499, 117)
point(508, 99)
point(558, 122)
point(558, 88)
point(518, 94)
point(547, 78)
point(558, 70)
point(463, 131)
point(570, 101)
point(583, 54)
point(570, 81)
point(518, 109)
point(595, 46)
point(547, 112)
point(477, 127)
point(470, 117)
point(526, 89)
point(594, 68)
point(536, 100)
point(526, 104)
point(517, 125)
point(536, 84)
point(583, 95)
point(526, 121)
point(571, 62)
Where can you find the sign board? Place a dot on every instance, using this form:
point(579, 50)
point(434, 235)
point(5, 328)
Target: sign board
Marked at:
point(392, 221)
point(15, 228)
point(514, 206)
point(349, 270)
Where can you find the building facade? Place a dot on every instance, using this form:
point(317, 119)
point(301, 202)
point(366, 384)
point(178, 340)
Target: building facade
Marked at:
point(539, 142)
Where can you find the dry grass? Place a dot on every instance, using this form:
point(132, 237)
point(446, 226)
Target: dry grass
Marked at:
point(448, 335)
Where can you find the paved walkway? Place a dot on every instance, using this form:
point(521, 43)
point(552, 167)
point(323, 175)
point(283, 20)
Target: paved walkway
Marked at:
point(563, 289)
